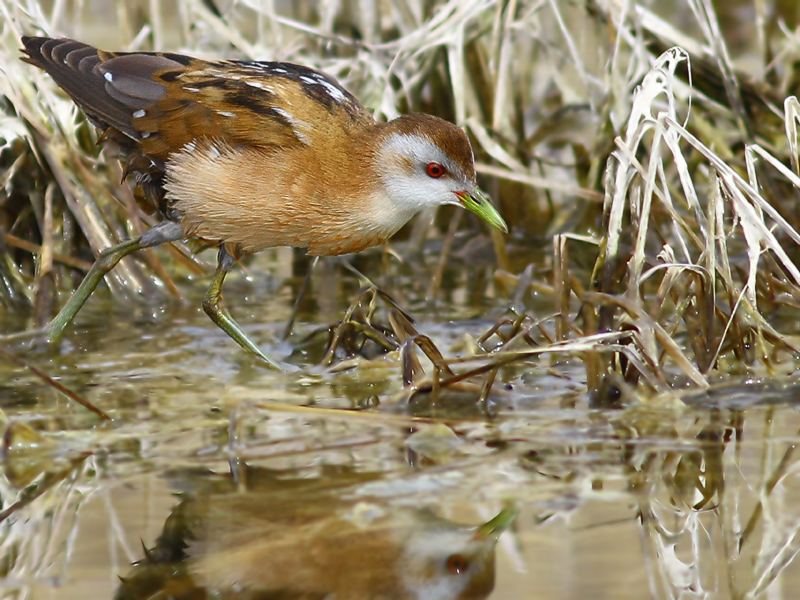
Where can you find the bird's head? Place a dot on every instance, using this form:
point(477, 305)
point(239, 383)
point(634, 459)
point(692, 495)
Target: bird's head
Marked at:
point(446, 561)
point(426, 161)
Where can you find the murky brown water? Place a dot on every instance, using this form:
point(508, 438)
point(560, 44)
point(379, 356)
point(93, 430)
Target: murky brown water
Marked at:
point(261, 491)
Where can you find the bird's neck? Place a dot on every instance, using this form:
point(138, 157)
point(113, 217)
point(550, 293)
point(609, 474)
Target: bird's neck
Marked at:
point(367, 184)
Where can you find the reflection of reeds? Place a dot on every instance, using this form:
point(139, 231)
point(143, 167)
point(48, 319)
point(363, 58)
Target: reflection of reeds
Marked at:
point(41, 495)
point(710, 523)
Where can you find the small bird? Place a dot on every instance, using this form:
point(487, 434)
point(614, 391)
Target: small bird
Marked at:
point(248, 155)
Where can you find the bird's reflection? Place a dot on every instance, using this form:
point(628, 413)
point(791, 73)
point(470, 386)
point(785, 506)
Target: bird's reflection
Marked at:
point(303, 539)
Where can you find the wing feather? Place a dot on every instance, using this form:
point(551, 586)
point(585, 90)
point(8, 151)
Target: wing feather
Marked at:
point(164, 101)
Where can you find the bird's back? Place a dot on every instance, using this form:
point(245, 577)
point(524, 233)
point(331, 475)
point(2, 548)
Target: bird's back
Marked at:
point(151, 106)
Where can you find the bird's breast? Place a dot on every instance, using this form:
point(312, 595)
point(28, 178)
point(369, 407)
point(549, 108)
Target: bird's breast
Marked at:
point(257, 199)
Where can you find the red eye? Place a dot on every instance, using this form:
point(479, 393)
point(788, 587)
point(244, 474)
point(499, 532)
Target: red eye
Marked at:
point(434, 170)
point(457, 564)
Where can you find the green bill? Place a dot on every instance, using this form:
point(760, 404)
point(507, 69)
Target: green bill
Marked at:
point(479, 203)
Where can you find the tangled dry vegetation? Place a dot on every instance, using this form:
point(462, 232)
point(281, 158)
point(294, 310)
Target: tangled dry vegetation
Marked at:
point(664, 178)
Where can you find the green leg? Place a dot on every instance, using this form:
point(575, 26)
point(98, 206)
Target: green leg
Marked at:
point(166, 231)
point(212, 304)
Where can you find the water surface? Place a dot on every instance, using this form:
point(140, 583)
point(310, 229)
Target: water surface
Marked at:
point(212, 462)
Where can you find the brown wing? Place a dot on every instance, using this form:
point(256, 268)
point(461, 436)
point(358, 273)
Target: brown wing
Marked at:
point(206, 101)
point(76, 68)
point(151, 105)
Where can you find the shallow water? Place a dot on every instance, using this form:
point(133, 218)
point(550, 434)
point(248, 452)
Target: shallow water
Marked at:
point(694, 499)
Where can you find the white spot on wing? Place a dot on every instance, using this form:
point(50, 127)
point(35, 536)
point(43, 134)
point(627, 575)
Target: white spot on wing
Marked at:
point(108, 76)
point(334, 91)
point(137, 114)
point(191, 89)
point(297, 125)
point(255, 84)
point(145, 135)
point(225, 113)
point(285, 114)
point(318, 79)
